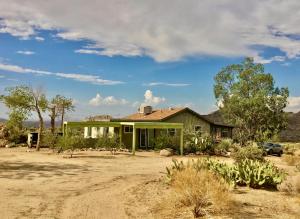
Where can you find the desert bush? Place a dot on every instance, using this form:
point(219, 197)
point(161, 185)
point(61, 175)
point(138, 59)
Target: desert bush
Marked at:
point(111, 143)
point(202, 190)
point(71, 143)
point(223, 146)
point(292, 160)
point(252, 173)
point(166, 141)
point(50, 140)
point(90, 142)
point(196, 142)
point(250, 151)
point(257, 174)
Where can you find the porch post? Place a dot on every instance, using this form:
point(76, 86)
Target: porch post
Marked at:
point(121, 135)
point(181, 141)
point(133, 140)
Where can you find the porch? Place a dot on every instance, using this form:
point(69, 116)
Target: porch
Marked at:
point(131, 134)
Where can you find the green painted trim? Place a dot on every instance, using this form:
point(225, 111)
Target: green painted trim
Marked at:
point(93, 124)
point(133, 140)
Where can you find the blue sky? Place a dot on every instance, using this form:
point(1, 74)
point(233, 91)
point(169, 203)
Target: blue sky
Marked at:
point(112, 57)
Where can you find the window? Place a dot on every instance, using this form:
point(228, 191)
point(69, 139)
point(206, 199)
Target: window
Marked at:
point(224, 133)
point(89, 134)
point(128, 129)
point(198, 128)
point(171, 132)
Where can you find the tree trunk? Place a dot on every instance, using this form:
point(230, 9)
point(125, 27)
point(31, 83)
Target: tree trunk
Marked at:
point(52, 117)
point(41, 125)
point(62, 118)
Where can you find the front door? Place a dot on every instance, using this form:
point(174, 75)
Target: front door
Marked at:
point(143, 138)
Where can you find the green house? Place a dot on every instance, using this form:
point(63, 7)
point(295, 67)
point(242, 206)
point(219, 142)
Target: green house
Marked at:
point(138, 130)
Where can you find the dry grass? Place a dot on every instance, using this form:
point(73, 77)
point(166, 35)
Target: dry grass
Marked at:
point(202, 192)
point(292, 160)
point(291, 185)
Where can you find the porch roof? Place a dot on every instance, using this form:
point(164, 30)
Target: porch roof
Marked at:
point(158, 125)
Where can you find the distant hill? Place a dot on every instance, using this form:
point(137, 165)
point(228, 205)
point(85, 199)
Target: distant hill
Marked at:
point(34, 124)
point(290, 134)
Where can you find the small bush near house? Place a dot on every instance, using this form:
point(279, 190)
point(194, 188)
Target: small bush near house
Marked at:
point(223, 146)
point(202, 190)
point(250, 151)
point(50, 140)
point(71, 143)
point(196, 142)
point(111, 143)
point(166, 141)
point(90, 142)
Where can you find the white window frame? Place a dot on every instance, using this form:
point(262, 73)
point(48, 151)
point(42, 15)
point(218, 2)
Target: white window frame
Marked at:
point(130, 129)
point(175, 131)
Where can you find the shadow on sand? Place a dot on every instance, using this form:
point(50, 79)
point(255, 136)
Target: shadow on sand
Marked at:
point(29, 171)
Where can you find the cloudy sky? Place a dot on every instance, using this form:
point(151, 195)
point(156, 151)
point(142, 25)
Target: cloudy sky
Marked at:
point(111, 56)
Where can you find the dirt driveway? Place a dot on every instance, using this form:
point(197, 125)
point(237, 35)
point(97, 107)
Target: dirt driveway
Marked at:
point(98, 185)
point(91, 185)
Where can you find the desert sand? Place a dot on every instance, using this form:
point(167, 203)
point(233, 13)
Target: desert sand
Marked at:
point(98, 185)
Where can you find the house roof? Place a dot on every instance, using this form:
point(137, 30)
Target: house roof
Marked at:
point(164, 114)
point(156, 115)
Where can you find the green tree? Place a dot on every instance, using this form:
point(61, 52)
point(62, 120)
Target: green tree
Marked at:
point(53, 108)
point(248, 98)
point(27, 99)
point(64, 105)
point(14, 124)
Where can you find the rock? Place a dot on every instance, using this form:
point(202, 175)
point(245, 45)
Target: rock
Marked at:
point(166, 152)
point(10, 145)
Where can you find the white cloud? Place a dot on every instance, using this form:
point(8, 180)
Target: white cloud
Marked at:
point(109, 100)
point(93, 79)
point(189, 28)
point(167, 84)
point(150, 99)
point(261, 60)
point(37, 38)
point(25, 52)
point(294, 104)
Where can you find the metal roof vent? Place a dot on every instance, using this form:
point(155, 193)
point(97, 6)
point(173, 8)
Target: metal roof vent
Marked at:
point(146, 110)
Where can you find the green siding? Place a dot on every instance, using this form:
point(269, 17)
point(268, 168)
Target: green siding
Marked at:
point(189, 121)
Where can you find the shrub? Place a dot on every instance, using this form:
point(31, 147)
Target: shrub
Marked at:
point(166, 141)
point(71, 143)
point(251, 152)
point(50, 140)
point(201, 190)
point(258, 174)
point(196, 142)
point(111, 143)
point(223, 146)
point(252, 173)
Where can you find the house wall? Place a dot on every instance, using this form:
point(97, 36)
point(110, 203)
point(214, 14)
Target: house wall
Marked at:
point(189, 121)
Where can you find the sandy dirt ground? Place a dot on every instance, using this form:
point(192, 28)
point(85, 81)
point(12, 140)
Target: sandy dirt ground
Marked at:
point(99, 185)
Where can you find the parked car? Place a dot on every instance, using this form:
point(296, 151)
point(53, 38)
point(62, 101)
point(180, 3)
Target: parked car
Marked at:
point(271, 148)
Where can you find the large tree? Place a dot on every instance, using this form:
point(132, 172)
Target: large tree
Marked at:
point(53, 108)
point(64, 105)
point(27, 99)
point(248, 98)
